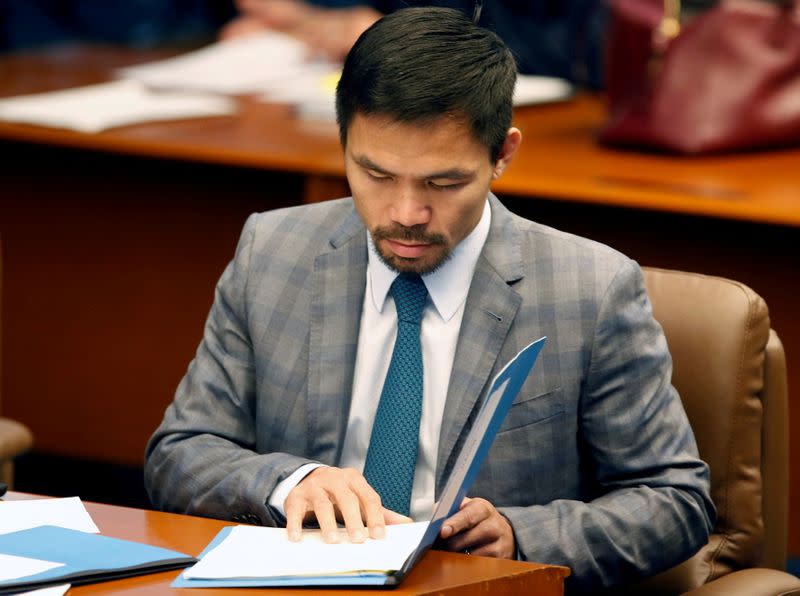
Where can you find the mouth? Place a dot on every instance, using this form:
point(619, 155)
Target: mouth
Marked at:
point(406, 249)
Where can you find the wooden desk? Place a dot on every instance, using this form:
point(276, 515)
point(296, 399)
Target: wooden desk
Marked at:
point(439, 572)
point(113, 242)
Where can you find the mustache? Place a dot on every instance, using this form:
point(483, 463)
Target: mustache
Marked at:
point(407, 234)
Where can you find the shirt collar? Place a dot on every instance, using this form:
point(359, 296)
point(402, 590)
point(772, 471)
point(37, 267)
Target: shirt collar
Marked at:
point(449, 284)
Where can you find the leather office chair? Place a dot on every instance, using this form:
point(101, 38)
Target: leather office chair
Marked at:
point(730, 370)
point(15, 438)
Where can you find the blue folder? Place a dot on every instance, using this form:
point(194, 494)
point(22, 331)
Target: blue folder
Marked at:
point(502, 393)
point(86, 557)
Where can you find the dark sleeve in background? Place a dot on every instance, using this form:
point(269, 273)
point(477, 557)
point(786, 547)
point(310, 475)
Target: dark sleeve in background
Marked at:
point(27, 24)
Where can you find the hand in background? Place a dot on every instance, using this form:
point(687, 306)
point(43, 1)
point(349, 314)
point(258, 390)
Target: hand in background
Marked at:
point(331, 495)
point(329, 31)
point(478, 528)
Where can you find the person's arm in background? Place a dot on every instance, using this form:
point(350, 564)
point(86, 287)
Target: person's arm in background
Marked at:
point(329, 30)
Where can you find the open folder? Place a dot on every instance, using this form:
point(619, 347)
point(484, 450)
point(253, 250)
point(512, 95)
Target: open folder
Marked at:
point(242, 556)
point(50, 555)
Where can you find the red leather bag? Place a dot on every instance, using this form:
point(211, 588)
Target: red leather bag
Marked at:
point(727, 80)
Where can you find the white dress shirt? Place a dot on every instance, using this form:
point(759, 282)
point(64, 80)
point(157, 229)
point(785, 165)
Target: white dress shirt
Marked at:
point(441, 322)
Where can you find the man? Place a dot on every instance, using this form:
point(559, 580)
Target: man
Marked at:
point(281, 414)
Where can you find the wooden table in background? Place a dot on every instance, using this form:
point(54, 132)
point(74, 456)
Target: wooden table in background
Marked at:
point(113, 241)
point(441, 573)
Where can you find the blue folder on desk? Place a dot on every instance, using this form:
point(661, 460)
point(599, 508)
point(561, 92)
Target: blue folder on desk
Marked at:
point(85, 557)
point(504, 389)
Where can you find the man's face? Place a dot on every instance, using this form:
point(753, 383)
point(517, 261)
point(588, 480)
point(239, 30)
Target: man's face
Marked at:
point(420, 188)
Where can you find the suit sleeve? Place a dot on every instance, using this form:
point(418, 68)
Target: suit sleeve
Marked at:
point(652, 508)
point(201, 460)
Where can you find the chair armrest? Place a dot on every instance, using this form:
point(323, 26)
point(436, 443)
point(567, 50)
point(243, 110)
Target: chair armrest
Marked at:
point(15, 438)
point(751, 582)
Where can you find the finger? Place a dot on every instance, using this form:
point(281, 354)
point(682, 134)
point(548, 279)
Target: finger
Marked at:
point(350, 510)
point(371, 508)
point(295, 510)
point(326, 517)
point(392, 517)
point(470, 540)
point(472, 512)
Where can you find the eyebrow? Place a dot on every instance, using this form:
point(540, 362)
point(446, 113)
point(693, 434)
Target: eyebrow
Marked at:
point(450, 174)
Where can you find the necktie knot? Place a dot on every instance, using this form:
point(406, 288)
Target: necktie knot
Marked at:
point(409, 293)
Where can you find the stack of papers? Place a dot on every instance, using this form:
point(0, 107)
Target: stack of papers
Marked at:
point(247, 555)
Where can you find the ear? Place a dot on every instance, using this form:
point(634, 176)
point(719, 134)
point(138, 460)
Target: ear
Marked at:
point(509, 149)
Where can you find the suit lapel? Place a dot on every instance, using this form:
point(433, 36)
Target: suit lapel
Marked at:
point(338, 294)
point(489, 312)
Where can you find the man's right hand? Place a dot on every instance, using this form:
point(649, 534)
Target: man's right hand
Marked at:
point(330, 495)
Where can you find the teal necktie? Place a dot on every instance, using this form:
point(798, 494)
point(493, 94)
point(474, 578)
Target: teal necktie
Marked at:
point(392, 454)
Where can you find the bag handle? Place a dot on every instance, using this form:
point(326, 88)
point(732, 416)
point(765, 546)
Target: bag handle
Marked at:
point(669, 27)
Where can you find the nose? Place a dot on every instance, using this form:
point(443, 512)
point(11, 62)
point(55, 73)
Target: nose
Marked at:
point(410, 210)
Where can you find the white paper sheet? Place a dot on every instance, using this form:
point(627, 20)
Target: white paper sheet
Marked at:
point(59, 590)
point(252, 64)
point(533, 89)
point(98, 107)
point(14, 567)
point(253, 552)
point(68, 512)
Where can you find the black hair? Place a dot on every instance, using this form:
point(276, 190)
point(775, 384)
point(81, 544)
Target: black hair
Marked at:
point(419, 64)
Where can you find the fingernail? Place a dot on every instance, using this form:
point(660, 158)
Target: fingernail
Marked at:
point(332, 537)
point(294, 536)
point(359, 536)
point(379, 532)
point(446, 531)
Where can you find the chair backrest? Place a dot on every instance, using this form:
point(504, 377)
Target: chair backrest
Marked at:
point(730, 370)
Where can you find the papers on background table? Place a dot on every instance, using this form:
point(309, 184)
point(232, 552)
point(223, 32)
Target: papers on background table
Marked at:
point(66, 513)
point(533, 89)
point(98, 107)
point(275, 66)
point(253, 64)
point(280, 69)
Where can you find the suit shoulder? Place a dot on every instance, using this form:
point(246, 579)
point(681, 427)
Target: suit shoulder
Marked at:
point(538, 235)
point(287, 228)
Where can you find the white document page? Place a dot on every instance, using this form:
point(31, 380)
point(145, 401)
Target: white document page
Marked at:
point(98, 107)
point(533, 89)
point(59, 590)
point(68, 512)
point(253, 64)
point(258, 552)
point(14, 567)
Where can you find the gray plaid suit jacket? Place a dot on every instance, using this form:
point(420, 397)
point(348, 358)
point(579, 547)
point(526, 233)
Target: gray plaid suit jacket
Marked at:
point(595, 466)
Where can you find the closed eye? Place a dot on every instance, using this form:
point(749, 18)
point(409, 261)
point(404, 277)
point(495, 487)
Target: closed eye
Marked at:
point(377, 176)
point(452, 186)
